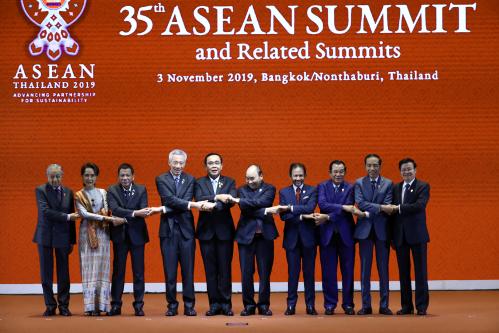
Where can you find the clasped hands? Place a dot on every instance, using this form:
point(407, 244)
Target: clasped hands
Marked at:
point(389, 209)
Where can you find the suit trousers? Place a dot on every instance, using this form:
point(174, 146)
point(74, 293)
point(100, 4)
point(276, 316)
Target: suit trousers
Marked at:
point(419, 256)
point(217, 258)
point(121, 251)
point(329, 256)
point(295, 257)
point(262, 250)
point(366, 259)
point(46, 255)
point(174, 250)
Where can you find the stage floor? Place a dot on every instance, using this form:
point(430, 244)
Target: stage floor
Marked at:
point(450, 311)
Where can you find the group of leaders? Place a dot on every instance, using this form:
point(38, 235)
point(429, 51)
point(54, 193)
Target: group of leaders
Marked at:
point(387, 215)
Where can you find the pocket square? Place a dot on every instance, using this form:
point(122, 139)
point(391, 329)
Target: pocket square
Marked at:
point(306, 197)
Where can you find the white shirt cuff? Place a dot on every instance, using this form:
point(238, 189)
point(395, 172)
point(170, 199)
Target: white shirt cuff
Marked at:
point(367, 214)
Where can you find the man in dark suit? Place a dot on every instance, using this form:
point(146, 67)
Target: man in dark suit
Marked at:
point(373, 194)
point(129, 201)
point(297, 203)
point(215, 231)
point(176, 231)
point(410, 235)
point(255, 236)
point(55, 232)
point(336, 228)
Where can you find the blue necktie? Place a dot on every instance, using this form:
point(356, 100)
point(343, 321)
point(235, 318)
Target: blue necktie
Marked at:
point(406, 192)
point(177, 183)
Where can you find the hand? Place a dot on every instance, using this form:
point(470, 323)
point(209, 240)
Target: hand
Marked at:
point(358, 212)
point(320, 218)
point(349, 208)
point(207, 206)
point(307, 216)
point(225, 198)
point(232, 199)
point(155, 210)
point(198, 204)
point(74, 216)
point(144, 212)
point(117, 221)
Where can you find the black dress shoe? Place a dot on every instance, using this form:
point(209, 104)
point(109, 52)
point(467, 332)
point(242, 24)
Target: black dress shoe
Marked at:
point(385, 311)
point(311, 310)
point(349, 311)
point(49, 312)
point(190, 312)
point(115, 311)
point(64, 311)
point(264, 310)
point(365, 311)
point(227, 312)
point(139, 312)
point(170, 312)
point(421, 313)
point(403, 312)
point(329, 311)
point(248, 311)
point(95, 313)
point(290, 310)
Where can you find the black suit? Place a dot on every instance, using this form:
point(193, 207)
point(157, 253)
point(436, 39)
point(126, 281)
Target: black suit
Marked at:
point(176, 232)
point(129, 237)
point(54, 232)
point(410, 234)
point(252, 244)
point(215, 231)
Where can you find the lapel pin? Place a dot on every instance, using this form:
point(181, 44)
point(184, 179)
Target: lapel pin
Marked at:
point(342, 190)
point(260, 190)
point(412, 190)
point(183, 181)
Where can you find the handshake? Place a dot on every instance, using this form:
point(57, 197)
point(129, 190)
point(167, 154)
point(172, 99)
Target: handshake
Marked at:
point(389, 209)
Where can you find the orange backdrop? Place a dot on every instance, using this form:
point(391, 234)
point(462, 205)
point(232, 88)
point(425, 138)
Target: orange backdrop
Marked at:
point(449, 126)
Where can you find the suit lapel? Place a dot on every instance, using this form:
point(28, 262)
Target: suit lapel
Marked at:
point(52, 196)
point(208, 186)
point(182, 186)
point(368, 188)
point(119, 194)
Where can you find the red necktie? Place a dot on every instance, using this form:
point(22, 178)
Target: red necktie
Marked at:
point(298, 192)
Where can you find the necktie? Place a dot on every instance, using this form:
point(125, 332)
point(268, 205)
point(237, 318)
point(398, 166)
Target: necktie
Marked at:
point(214, 183)
point(373, 185)
point(298, 194)
point(336, 188)
point(126, 195)
point(406, 191)
point(177, 183)
point(58, 189)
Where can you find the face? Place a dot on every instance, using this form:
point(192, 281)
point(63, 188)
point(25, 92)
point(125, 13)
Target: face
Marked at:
point(373, 167)
point(408, 172)
point(177, 164)
point(214, 166)
point(89, 177)
point(54, 176)
point(253, 179)
point(297, 176)
point(125, 177)
point(337, 173)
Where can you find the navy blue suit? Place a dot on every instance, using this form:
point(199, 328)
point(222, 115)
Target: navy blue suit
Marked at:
point(336, 241)
point(215, 231)
point(128, 237)
point(410, 234)
point(176, 232)
point(299, 241)
point(373, 231)
point(54, 233)
point(256, 245)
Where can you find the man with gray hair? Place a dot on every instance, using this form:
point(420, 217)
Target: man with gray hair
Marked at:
point(55, 232)
point(176, 230)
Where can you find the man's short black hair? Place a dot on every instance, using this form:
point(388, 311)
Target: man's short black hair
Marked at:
point(407, 160)
point(210, 154)
point(295, 165)
point(337, 162)
point(126, 166)
point(372, 155)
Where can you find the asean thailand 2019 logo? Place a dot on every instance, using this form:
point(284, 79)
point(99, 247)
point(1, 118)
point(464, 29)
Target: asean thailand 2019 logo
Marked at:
point(54, 18)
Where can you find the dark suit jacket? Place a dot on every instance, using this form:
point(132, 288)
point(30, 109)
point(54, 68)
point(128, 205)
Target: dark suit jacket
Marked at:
point(410, 223)
point(331, 203)
point(294, 228)
point(370, 201)
point(136, 228)
point(53, 228)
point(253, 204)
point(218, 222)
point(176, 204)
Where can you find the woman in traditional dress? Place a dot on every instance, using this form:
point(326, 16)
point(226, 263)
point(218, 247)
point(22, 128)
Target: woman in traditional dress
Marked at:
point(93, 245)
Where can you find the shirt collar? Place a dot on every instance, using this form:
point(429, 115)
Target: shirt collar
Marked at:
point(214, 180)
point(410, 183)
point(295, 187)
